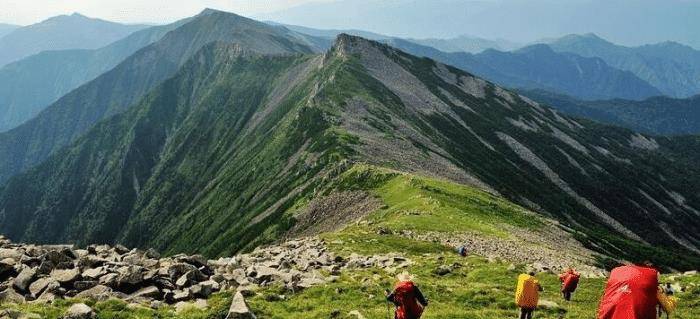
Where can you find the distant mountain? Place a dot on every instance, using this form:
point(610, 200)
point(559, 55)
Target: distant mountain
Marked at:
point(7, 28)
point(671, 67)
point(330, 34)
point(625, 21)
point(29, 85)
point(217, 158)
point(468, 44)
point(656, 115)
point(61, 33)
point(539, 67)
point(114, 91)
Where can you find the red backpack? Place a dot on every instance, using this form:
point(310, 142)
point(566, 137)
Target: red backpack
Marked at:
point(569, 282)
point(630, 294)
point(405, 297)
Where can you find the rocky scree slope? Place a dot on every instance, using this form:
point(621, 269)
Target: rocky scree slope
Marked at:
point(213, 160)
point(116, 90)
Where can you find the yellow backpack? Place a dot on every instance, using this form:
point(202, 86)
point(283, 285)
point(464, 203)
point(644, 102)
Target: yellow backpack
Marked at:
point(527, 292)
point(668, 303)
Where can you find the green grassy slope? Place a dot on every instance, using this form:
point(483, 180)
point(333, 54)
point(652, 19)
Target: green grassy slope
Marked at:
point(477, 288)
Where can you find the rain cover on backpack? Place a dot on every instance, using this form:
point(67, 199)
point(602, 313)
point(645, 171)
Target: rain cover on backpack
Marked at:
point(630, 294)
point(527, 292)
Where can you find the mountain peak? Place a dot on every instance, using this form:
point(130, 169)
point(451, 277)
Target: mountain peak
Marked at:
point(346, 44)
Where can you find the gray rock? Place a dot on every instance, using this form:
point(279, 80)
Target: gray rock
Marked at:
point(10, 253)
point(98, 292)
point(182, 295)
point(24, 279)
point(79, 311)
point(110, 280)
point(94, 273)
point(239, 308)
point(10, 296)
point(147, 292)
point(65, 275)
point(84, 284)
point(43, 284)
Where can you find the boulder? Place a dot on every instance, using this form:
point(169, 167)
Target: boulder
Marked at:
point(43, 284)
point(147, 292)
point(130, 275)
point(239, 308)
point(65, 275)
point(79, 311)
point(98, 292)
point(24, 278)
point(10, 296)
point(94, 273)
point(84, 284)
point(10, 253)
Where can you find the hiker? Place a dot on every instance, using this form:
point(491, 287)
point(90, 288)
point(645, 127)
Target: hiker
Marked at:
point(527, 294)
point(408, 300)
point(462, 251)
point(667, 302)
point(569, 281)
point(631, 293)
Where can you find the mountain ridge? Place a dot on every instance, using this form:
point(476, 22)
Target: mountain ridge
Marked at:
point(216, 170)
point(114, 91)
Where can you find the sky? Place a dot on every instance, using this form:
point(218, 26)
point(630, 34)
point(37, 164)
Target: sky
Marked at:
point(25, 12)
point(627, 22)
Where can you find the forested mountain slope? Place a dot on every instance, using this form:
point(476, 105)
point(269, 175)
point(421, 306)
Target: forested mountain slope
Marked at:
point(114, 91)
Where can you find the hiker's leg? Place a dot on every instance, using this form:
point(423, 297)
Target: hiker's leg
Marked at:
point(523, 313)
point(529, 313)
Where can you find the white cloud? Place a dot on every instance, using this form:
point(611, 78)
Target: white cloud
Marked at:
point(25, 12)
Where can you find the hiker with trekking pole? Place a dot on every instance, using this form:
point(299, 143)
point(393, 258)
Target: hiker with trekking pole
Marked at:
point(409, 302)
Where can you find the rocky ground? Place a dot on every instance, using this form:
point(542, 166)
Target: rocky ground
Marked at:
point(43, 273)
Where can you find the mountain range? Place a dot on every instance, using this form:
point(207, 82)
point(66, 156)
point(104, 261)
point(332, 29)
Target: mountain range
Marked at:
point(114, 91)
point(29, 85)
point(671, 67)
point(657, 115)
point(7, 28)
point(60, 33)
point(469, 44)
point(539, 67)
point(210, 149)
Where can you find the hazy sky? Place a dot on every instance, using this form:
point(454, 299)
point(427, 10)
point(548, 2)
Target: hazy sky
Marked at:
point(24, 12)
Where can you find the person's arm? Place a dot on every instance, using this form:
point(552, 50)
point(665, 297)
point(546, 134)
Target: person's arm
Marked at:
point(421, 299)
point(390, 297)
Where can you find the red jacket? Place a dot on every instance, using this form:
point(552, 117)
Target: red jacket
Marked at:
point(408, 299)
point(630, 294)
